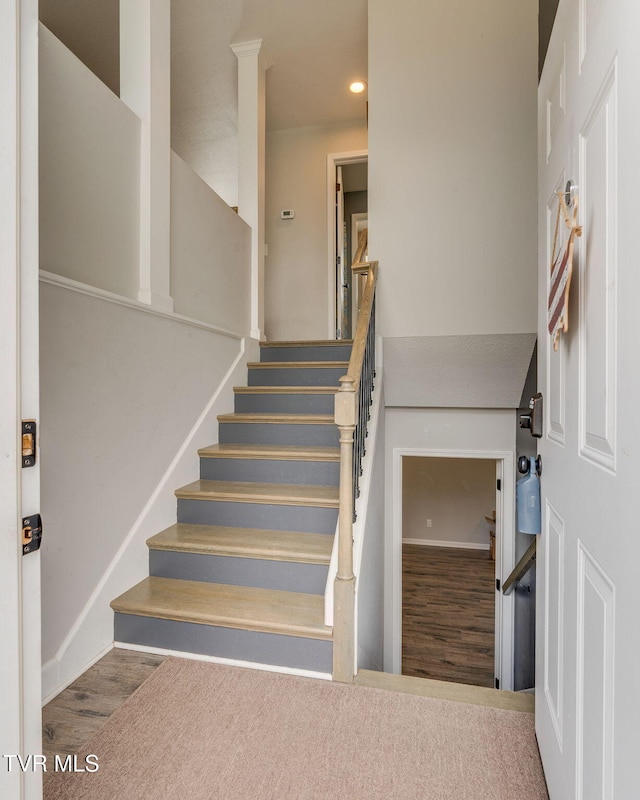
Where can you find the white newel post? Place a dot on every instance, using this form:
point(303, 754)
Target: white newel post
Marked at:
point(145, 86)
point(253, 62)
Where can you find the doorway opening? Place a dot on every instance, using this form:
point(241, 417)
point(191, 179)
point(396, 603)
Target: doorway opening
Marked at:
point(450, 620)
point(448, 569)
point(347, 215)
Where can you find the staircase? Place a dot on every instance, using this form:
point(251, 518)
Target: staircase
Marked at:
point(242, 574)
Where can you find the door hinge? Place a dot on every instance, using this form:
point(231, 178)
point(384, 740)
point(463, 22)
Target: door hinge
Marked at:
point(29, 430)
point(497, 683)
point(498, 584)
point(31, 533)
point(499, 485)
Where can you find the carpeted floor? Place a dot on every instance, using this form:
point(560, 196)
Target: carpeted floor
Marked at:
point(200, 731)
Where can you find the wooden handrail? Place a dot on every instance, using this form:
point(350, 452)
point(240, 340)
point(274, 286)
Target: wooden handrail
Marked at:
point(363, 242)
point(521, 568)
point(356, 361)
point(351, 414)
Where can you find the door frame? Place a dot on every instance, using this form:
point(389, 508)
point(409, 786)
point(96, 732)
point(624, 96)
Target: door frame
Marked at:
point(505, 553)
point(356, 222)
point(20, 670)
point(335, 160)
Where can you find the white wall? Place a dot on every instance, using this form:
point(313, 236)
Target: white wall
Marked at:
point(369, 565)
point(204, 90)
point(452, 165)
point(128, 395)
point(210, 253)
point(89, 175)
point(455, 494)
point(436, 429)
point(296, 269)
point(90, 31)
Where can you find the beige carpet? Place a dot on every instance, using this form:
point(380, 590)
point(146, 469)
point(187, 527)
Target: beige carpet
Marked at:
point(198, 731)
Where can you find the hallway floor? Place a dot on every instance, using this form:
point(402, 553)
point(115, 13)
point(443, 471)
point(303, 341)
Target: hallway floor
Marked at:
point(448, 607)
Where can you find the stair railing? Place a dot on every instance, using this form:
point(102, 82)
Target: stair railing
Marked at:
point(352, 408)
point(521, 568)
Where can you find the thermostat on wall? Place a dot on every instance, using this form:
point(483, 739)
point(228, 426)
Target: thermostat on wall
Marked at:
point(287, 213)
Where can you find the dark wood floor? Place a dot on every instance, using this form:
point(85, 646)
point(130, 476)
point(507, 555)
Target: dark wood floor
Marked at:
point(448, 614)
point(80, 710)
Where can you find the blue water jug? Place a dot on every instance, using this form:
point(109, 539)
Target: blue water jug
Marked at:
point(528, 501)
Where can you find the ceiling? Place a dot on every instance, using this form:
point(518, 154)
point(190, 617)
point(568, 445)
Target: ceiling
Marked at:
point(317, 49)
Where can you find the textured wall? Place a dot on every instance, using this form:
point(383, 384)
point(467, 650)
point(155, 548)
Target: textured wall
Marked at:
point(453, 165)
point(120, 391)
point(454, 493)
point(296, 269)
point(89, 175)
point(457, 371)
point(210, 253)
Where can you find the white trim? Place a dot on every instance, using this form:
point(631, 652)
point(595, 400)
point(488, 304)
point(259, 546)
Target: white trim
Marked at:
point(256, 47)
point(436, 543)
point(51, 673)
point(334, 160)
point(230, 662)
point(127, 302)
point(505, 552)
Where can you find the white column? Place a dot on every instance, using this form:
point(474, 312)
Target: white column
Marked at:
point(145, 86)
point(253, 62)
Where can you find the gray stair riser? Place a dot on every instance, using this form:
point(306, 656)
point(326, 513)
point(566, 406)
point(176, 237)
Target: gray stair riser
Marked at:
point(264, 574)
point(306, 519)
point(256, 647)
point(277, 433)
point(304, 376)
point(284, 403)
point(306, 353)
point(259, 470)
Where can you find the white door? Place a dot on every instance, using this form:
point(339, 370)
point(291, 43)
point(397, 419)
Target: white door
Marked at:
point(20, 694)
point(588, 642)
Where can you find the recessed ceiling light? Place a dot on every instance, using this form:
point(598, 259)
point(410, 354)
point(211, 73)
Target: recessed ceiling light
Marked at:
point(357, 87)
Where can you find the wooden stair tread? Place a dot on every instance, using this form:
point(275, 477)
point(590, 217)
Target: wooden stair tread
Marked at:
point(271, 451)
point(285, 389)
point(303, 548)
point(298, 365)
point(265, 610)
point(273, 493)
point(280, 419)
point(311, 343)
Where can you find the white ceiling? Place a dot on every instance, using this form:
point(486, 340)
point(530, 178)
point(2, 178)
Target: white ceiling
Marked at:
point(316, 48)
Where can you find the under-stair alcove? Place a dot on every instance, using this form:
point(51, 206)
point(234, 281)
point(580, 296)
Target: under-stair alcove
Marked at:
point(454, 397)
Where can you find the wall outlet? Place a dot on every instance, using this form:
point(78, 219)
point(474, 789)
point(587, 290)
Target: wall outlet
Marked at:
point(429, 525)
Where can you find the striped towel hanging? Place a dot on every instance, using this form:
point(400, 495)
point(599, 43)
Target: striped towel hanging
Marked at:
point(561, 269)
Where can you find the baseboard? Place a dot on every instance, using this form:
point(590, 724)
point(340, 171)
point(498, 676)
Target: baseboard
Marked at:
point(434, 543)
point(229, 662)
point(91, 634)
point(51, 675)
